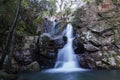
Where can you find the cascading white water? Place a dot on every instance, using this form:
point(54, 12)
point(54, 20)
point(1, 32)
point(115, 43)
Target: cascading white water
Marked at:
point(66, 60)
point(66, 57)
point(52, 30)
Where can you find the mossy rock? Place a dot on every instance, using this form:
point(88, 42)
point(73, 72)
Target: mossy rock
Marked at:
point(34, 66)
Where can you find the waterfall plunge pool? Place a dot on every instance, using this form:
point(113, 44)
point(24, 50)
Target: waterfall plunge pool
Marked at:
point(66, 67)
point(79, 75)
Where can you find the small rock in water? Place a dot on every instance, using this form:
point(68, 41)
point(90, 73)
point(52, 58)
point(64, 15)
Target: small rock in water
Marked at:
point(34, 66)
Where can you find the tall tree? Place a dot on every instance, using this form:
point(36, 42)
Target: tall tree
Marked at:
point(10, 41)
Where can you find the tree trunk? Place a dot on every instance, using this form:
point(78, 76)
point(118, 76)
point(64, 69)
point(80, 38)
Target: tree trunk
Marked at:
point(10, 40)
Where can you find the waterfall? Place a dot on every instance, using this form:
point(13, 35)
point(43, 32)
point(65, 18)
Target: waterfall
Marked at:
point(50, 26)
point(66, 57)
point(67, 60)
point(52, 29)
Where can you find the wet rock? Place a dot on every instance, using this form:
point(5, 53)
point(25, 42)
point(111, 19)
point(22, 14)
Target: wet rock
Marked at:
point(91, 63)
point(34, 66)
point(107, 41)
point(117, 58)
point(101, 65)
point(112, 61)
point(52, 54)
point(111, 58)
point(79, 48)
point(97, 56)
point(50, 44)
point(23, 57)
point(45, 36)
point(29, 40)
point(100, 27)
point(117, 43)
point(91, 48)
point(44, 42)
point(88, 36)
point(106, 33)
point(60, 41)
point(118, 46)
point(98, 63)
point(95, 43)
point(112, 52)
point(86, 61)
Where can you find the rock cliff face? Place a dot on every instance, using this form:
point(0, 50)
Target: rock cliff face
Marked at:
point(97, 37)
point(98, 27)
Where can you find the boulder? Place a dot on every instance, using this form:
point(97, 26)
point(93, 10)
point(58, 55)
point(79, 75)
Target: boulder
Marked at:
point(95, 43)
point(91, 48)
point(86, 61)
point(23, 56)
point(106, 33)
point(97, 56)
point(28, 41)
point(101, 65)
point(112, 61)
point(99, 27)
point(117, 42)
point(34, 66)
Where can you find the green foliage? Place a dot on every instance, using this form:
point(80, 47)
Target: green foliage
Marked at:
point(31, 14)
point(52, 7)
point(25, 3)
point(21, 28)
point(38, 19)
point(7, 14)
point(87, 0)
point(68, 10)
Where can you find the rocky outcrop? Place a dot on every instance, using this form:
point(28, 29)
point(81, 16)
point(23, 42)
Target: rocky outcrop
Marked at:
point(98, 25)
point(33, 67)
point(29, 41)
point(96, 43)
point(40, 50)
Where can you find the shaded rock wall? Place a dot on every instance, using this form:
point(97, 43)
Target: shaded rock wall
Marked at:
point(42, 48)
point(97, 39)
point(98, 27)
